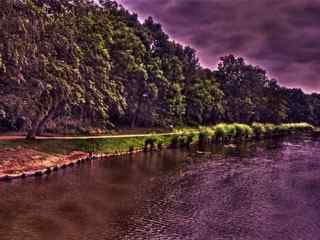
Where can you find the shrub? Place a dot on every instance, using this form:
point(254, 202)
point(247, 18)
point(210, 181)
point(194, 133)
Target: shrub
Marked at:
point(242, 131)
point(219, 133)
point(205, 134)
point(225, 132)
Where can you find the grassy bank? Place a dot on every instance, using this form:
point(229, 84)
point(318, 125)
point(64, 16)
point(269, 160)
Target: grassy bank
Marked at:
point(20, 156)
point(184, 137)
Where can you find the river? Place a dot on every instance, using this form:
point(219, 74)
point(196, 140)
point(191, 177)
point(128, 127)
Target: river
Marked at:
point(264, 190)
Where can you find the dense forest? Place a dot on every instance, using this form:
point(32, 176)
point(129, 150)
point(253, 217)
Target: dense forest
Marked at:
point(80, 65)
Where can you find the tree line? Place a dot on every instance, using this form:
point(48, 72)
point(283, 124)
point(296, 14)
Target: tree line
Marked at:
point(81, 64)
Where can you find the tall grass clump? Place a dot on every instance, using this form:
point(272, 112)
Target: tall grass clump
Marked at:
point(242, 131)
point(224, 132)
point(183, 138)
point(205, 134)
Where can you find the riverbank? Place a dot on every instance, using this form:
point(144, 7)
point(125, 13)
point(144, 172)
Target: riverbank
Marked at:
point(22, 158)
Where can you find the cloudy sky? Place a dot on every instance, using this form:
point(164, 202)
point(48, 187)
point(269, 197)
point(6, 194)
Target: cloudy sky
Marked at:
point(282, 36)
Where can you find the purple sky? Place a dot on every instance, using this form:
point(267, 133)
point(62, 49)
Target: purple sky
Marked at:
point(282, 36)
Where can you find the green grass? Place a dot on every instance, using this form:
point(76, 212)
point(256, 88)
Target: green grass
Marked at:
point(48, 146)
point(120, 144)
point(113, 145)
point(243, 131)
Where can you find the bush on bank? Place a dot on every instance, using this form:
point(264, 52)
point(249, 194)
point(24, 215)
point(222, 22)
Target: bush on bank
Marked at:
point(235, 132)
point(223, 133)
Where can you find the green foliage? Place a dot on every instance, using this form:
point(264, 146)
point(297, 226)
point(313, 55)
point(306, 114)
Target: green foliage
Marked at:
point(224, 132)
point(205, 134)
point(243, 131)
point(249, 95)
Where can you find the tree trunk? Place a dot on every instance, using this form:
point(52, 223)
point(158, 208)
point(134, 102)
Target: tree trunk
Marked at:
point(53, 111)
point(38, 125)
point(33, 131)
point(136, 113)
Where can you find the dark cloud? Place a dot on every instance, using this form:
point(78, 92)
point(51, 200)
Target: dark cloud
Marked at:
point(282, 36)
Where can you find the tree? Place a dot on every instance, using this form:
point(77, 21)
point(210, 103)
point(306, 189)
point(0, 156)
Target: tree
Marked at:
point(205, 104)
point(249, 94)
point(299, 110)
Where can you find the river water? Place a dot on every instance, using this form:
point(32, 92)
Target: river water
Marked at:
point(264, 190)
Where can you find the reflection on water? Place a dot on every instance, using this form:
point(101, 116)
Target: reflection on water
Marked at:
point(79, 203)
point(163, 196)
